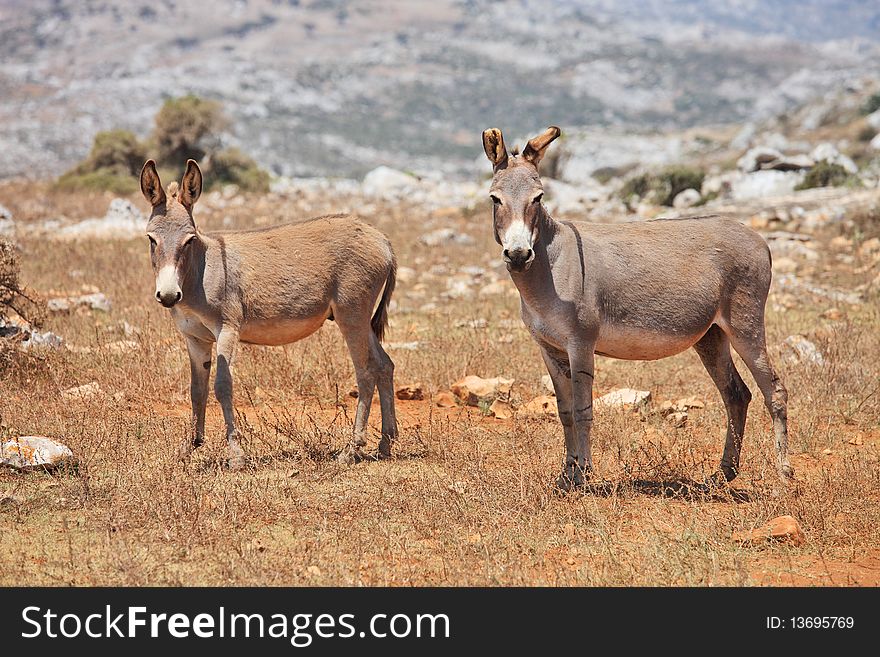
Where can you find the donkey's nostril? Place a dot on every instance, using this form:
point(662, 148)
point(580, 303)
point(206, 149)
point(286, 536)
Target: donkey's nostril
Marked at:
point(158, 296)
point(180, 295)
point(506, 253)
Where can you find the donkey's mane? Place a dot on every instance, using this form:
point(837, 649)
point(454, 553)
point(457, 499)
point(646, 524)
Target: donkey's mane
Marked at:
point(172, 190)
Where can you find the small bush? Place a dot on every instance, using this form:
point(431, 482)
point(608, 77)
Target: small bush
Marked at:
point(872, 104)
point(113, 164)
point(825, 174)
point(866, 134)
point(183, 128)
point(662, 187)
point(13, 295)
point(232, 166)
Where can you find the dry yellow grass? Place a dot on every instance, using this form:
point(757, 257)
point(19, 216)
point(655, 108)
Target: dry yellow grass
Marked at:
point(468, 498)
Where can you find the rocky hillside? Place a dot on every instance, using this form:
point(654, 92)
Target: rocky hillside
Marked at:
point(336, 87)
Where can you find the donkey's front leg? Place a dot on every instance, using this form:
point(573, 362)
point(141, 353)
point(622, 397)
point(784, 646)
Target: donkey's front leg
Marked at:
point(227, 345)
point(579, 466)
point(560, 373)
point(200, 374)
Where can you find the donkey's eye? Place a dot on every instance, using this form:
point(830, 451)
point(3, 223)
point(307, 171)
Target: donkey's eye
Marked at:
point(495, 199)
point(189, 240)
point(152, 240)
point(538, 198)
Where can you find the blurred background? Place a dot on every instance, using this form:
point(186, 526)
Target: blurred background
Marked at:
point(339, 87)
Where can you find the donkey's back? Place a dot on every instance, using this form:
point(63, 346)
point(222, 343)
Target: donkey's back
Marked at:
point(285, 281)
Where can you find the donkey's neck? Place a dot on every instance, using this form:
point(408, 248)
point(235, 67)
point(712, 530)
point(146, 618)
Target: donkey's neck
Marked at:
point(193, 278)
point(535, 285)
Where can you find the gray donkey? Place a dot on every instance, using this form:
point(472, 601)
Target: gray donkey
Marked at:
point(638, 291)
point(270, 286)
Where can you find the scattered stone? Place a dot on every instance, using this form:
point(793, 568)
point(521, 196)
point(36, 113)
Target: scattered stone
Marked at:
point(45, 339)
point(123, 220)
point(547, 382)
point(35, 452)
point(82, 392)
point(870, 247)
point(95, 301)
point(404, 346)
point(690, 402)
point(855, 440)
point(677, 419)
point(473, 390)
point(803, 350)
point(406, 274)
point(753, 158)
point(445, 236)
point(7, 225)
point(761, 184)
point(541, 406)
point(782, 529)
point(413, 392)
point(625, 397)
point(687, 198)
point(501, 410)
point(832, 314)
point(445, 399)
point(828, 153)
point(479, 323)
point(827, 452)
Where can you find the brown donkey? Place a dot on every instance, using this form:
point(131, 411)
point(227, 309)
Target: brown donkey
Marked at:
point(639, 291)
point(270, 286)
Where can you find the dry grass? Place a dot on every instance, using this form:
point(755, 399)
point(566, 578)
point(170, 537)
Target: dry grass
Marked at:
point(467, 500)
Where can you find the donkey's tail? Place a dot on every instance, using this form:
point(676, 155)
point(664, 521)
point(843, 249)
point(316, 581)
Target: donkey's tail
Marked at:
point(380, 318)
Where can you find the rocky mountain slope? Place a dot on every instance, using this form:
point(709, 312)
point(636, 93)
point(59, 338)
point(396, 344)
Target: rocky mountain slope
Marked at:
point(336, 87)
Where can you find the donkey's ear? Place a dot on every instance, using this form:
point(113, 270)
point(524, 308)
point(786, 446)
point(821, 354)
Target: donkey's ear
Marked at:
point(534, 150)
point(493, 144)
point(151, 186)
point(190, 185)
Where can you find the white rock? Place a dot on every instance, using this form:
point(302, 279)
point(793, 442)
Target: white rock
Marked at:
point(873, 120)
point(472, 390)
point(828, 153)
point(875, 142)
point(803, 350)
point(35, 452)
point(445, 236)
point(7, 225)
point(82, 392)
point(765, 183)
point(753, 158)
point(547, 382)
point(95, 301)
point(46, 339)
point(123, 220)
point(624, 397)
point(387, 182)
point(687, 198)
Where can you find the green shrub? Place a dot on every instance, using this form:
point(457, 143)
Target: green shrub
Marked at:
point(872, 104)
point(183, 126)
point(662, 187)
point(232, 166)
point(113, 164)
point(866, 134)
point(102, 180)
point(825, 174)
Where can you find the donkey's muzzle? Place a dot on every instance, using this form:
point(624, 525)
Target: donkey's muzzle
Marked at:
point(518, 259)
point(168, 299)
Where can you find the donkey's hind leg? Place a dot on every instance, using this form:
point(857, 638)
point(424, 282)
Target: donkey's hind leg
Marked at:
point(357, 336)
point(714, 350)
point(386, 396)
point(752, 347)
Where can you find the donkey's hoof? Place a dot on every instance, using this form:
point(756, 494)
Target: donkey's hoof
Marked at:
point(572, 478)
point(384, 452)
point(237, 459)
point(350, 455)
point(718, 480)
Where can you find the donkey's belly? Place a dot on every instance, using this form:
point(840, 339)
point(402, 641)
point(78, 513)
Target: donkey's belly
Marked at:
point(274, 332)
point(629, 343)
